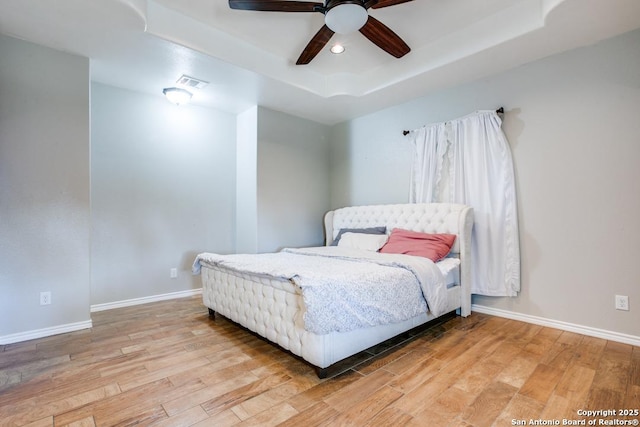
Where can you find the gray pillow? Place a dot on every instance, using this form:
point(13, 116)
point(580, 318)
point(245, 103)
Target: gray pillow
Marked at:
point(372, 230)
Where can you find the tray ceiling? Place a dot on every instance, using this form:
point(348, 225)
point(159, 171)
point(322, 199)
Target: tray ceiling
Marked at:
point(249, 57)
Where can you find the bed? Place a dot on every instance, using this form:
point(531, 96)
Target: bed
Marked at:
point(281, 297)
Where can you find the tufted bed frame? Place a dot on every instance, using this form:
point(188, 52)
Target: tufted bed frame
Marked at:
point(274, 308)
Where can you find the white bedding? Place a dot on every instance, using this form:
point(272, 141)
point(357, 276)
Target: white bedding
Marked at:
point(321, 273)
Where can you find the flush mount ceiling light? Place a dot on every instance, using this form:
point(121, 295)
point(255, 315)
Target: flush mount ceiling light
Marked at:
point(177, 95)
point(346, 18)
point(337, 49)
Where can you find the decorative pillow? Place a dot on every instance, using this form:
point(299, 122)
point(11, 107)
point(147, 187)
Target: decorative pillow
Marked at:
point(432, 246)
point(367, 242)
point(372, 230)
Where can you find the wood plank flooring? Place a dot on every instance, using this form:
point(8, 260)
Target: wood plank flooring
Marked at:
point(169, 364)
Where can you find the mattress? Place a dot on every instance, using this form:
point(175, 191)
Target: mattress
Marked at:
point(450, 269)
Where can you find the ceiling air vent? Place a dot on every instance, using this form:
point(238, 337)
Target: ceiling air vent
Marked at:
point(191, 82)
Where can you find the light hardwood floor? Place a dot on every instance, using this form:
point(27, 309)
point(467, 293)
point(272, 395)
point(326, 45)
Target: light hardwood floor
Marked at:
point(169, 364)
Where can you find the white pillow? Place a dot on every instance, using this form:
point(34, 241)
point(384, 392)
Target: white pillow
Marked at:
point(367, 242)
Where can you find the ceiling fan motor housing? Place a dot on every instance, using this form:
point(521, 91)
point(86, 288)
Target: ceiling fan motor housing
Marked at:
point(328, 4)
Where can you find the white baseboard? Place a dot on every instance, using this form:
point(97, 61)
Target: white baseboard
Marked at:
point(72, 327)
point(565, 326)
point(46, 332)
point(145, 300)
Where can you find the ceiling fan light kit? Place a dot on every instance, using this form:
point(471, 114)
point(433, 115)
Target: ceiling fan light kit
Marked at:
point(340, 16)
point(346, 18)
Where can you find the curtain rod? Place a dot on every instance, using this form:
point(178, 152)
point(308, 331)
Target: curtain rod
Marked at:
point(498, 111)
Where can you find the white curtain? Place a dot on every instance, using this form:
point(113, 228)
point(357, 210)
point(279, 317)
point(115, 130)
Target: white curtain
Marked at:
point(469, 161)
point(430, 147)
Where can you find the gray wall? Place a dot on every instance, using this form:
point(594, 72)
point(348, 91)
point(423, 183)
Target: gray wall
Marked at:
point(162, 189)
point(247, 182)
point(44, 187)
point(163, 182)
point(293, 181)
point(572, 122)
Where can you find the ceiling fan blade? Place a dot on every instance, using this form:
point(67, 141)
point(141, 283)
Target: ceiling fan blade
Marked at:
point(387, 3)
point(384, 38)
point(276, 5)
point(315, 45)
point(370, 3)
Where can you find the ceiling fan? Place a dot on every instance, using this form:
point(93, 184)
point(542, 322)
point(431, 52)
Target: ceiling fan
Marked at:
point(341, 16)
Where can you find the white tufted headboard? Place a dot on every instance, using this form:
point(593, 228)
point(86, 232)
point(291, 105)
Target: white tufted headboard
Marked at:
point(423, 217)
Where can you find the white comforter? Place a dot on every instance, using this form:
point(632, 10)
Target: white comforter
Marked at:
point(345, 289)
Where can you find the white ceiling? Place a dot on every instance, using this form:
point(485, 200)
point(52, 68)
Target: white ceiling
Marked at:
point(249, 57)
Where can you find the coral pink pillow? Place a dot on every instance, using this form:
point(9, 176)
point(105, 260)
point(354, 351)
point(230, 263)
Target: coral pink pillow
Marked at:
point(432, 246)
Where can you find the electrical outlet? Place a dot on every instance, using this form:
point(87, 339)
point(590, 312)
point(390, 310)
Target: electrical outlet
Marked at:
point(173, 273)
point(622, 302)
point(45, 298)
